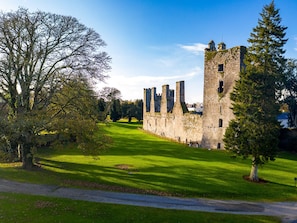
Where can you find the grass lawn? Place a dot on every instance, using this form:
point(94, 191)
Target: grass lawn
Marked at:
point(143, 163)
point(25, 208)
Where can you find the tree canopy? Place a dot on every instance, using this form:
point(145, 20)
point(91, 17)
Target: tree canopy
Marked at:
point(41, 53)
point(132, 109)
point(255, 129)
point(115, 110)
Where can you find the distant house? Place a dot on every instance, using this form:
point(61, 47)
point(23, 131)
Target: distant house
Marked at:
point(195, 108)
point(283, 119)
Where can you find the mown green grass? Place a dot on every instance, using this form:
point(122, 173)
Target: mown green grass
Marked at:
point(24, 208)
point(140, 162)
point(149, 164)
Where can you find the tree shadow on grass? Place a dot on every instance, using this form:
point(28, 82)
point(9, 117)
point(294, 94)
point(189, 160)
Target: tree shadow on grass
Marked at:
point(201, 182)
point(288, 155)
point(293, 186)
point(94, 177)
point(123, 145)
point(126, 125)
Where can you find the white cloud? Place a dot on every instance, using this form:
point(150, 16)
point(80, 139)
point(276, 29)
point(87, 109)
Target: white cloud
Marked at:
point(164, 65)
point(196, 48)
point(149, 81)
point(131, 87)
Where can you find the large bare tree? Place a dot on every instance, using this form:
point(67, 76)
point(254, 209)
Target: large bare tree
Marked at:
point(39, 53)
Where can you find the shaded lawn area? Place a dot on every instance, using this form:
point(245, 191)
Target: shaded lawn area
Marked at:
point(143, 163)
point(24, 208)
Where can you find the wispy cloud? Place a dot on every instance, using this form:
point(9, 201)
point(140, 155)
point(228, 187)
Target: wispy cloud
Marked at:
point(179, 56)
point(131, 86)
point(150, 81)
point(168, 61)
point(196, 48)
point(165, 65)
point(295, 38)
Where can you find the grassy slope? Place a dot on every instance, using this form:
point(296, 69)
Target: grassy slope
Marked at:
point(152, 164)
point(140, 161)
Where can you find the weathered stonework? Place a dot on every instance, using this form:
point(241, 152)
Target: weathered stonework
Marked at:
point(173, 121)
point(164, 117)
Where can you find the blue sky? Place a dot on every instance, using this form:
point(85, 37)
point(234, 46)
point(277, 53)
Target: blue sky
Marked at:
point(157, 42)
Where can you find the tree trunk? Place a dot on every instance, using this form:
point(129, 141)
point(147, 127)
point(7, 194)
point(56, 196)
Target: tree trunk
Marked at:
point(19, 152)
point(254, 171)
point(27, 157)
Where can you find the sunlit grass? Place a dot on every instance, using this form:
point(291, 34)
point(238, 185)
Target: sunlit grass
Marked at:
point(141, 161)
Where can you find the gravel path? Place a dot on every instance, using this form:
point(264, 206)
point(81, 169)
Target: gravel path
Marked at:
point(286, 210)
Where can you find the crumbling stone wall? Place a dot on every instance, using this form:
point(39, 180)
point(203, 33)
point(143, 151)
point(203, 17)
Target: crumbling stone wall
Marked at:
point(164, 117)
point(173, 121)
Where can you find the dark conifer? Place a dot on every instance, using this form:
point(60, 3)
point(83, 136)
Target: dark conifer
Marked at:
point(254, 131)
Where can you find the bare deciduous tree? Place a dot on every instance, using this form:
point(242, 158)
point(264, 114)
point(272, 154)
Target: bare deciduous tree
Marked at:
point(38, 52)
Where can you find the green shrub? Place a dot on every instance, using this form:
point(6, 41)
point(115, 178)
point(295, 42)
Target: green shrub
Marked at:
point(6, 157)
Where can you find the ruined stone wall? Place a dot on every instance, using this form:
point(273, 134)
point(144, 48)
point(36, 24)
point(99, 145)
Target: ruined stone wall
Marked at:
point(221, 70)
point(164, 117)
point(186, 128)
point(173, 121)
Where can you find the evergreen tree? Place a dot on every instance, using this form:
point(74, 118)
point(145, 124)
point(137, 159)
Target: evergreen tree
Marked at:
point(254, 131)
point(128, 110)
point(139, 109)
point(115, 110)
point(102, 109)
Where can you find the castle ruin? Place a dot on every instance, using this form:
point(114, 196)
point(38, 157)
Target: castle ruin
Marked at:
point(164, 116)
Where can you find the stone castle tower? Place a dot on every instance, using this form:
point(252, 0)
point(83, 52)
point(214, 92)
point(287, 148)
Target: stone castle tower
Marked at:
point(221, 68)
point(165, 117)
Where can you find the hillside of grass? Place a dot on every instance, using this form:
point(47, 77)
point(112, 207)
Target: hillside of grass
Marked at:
point(143, 163)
